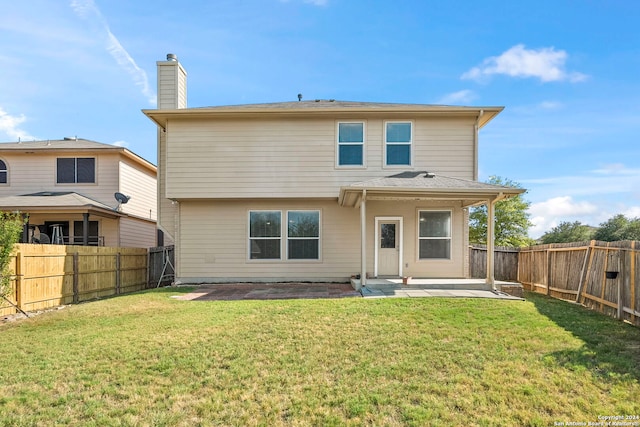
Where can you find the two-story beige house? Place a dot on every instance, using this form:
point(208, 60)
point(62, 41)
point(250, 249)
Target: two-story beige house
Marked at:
point(68, 189)
point(317, 190)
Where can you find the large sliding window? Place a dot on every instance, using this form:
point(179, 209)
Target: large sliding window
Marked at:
point(71, 170)
point(299, 236)
point(397, 144)
point(351, 144)
point(435, 234)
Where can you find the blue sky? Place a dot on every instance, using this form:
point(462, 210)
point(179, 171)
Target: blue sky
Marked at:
point(567, 73)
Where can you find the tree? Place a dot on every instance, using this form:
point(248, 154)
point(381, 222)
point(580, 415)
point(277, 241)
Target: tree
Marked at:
point(618, 227)
point(10, 229)
point(512, 219)
point(568, 232)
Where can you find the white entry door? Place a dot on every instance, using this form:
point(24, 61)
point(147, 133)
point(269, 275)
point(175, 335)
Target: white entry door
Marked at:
point(389, 236)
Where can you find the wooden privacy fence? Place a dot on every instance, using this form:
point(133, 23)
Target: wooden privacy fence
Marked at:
point(51, 275)
point(505, 262)
point(600, 275)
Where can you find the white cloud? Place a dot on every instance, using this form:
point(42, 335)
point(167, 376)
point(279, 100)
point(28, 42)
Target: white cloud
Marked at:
point(86, 9)
point(124, 144)
point(10, 125)
point(549, 213)
point(546, 64)
point(460, 97)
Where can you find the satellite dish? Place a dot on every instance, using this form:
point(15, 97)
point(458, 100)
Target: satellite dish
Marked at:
point(121, 198)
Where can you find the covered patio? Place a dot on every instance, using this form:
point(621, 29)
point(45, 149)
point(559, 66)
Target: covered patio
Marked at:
point(422, 187)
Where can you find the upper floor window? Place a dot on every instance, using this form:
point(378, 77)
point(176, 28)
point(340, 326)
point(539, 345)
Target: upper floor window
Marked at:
point(76, 170)
point(435, 234)
point(397, 143)
point(351, 144)
point(4, 173)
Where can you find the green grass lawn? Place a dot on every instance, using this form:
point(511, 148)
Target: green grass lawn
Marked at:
point(146, 359)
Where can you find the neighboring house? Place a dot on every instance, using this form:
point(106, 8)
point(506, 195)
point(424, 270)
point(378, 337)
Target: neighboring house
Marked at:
point(67, 187)
point(317, 190)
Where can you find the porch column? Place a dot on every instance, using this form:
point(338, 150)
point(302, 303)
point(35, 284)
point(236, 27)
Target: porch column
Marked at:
point(490, 243)
point(363, 239)
point(85, 229)
point(25, 229)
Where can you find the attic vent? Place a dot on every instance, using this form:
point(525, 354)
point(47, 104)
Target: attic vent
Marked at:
point(70, 138)
point(429, 175)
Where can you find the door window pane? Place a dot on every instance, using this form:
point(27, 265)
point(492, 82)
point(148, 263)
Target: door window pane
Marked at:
point(387, 236)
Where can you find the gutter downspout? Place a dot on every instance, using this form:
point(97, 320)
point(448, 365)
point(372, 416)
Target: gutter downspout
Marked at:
point(475, 145)
point(363, 239)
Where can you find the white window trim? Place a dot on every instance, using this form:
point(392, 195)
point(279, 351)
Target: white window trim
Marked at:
point(450, 258)
point(363, 144)
point(5, 170)
point(385, 143)
point(400, 234)
point(284, 237)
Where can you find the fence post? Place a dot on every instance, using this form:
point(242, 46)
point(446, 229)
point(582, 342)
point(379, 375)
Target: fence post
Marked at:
point(583, 282)
point(76, 290)
point(548, 271)
point(19, 285)
point(118, 273)
point(632, 282)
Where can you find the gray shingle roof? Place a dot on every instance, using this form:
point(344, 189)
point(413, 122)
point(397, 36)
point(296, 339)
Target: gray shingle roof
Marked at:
point(60, 144)
point(52, 200)
point(427, 180)
point(422, 185)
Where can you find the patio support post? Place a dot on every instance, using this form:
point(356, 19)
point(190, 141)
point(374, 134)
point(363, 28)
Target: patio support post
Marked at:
point(85, 229)
point(490, 244)
point(363, 239)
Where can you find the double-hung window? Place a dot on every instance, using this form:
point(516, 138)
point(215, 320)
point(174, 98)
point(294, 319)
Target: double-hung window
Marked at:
point(303, 235)
point(299, 237)
point(72, 170)
point(397, 144)
point(351, 144)
point(435, 234)
point(265, 234)
point(4, 173)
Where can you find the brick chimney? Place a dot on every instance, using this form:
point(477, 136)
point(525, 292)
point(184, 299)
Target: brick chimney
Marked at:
point(172, 84)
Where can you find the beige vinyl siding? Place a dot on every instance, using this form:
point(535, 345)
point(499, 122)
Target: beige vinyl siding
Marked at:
point(412, 265)
point(110, 230)
point(137, 233)
point(214, 242)
point(167, 210)
point(32, 173)
point(297, 157)
point(172, 85)
point(141, 187)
